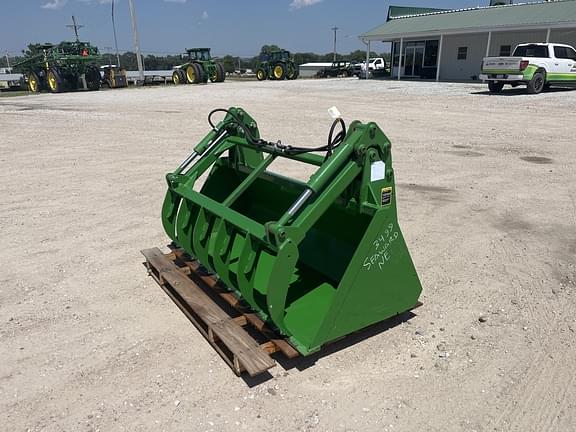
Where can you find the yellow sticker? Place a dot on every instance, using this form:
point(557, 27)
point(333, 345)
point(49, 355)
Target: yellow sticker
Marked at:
point(386, 196)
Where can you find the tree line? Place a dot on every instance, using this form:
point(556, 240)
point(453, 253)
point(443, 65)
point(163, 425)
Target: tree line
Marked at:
point(231, 63)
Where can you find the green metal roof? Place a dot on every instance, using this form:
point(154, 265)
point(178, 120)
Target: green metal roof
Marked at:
point(528, 15)
point(402, 11)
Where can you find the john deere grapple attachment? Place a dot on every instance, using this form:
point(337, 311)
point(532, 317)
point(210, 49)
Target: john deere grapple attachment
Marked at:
point(316, 260)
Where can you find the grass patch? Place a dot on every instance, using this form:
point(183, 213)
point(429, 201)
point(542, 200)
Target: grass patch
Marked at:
point(13, 93)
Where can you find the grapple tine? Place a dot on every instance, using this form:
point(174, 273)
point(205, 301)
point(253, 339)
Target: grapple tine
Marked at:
point(246, 271)
point(201, 238)
point(224, 236)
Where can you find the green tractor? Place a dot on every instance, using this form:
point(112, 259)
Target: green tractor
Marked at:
point(67, 66)
point(199, 68)
point(277, 65)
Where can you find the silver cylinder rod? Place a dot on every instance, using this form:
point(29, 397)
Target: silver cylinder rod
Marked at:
point(188, 161)
point(300, 202)
point(194, 155)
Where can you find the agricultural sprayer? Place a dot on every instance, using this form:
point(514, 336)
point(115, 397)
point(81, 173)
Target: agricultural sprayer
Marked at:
point(63, 67)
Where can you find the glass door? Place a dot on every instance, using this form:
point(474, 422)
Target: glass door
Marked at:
point(414, 59)
point(409, 60)
point(418, 60)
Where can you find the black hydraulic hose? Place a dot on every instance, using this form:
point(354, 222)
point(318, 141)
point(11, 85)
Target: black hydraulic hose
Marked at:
point(237, 122)
point(333, 141)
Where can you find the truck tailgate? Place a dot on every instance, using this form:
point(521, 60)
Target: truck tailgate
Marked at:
point(504, 64)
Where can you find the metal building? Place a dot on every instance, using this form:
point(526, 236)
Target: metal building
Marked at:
point(450, 44)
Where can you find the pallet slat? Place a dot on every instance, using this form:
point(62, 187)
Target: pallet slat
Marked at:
point(280, 344)
point(246, 353)
point(254, 359)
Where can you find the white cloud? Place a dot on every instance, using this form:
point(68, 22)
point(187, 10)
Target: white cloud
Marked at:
point(204, 15)
point(103, 2)
point(54, 4)
point(299, 4)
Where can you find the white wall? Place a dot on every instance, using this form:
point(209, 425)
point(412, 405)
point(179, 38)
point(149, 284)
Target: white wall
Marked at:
point(454, 69)
point(514, 38)
point(564, 36)
point(310, 70)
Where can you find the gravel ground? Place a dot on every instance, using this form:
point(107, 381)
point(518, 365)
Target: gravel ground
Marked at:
point(487, 203)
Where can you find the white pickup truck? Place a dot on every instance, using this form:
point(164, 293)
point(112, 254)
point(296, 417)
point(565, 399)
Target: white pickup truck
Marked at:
point(535, 65)
point(376, 67)
point(374, 64)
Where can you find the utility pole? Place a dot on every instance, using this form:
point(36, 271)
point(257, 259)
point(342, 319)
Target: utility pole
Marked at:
point(7, 60)
point(115, 38)
point(76, 27)
point(136, 39)
point(335, 29)
point(108, 50)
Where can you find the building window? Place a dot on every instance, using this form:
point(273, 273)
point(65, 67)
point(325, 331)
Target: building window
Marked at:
point(462, 53)
point(431, 53)
point(505, 50)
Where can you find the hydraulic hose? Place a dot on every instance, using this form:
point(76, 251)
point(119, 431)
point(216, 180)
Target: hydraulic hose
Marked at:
point(333, 141)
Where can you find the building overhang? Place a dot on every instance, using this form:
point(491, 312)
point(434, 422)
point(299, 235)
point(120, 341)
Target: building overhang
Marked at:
point(482, 19)
point(437, 33)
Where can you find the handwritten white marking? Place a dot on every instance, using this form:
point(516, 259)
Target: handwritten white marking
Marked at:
point(382, 244)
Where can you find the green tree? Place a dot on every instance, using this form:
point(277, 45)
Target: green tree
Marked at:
point(267, 49)
point(229, 63)
point(301, 58)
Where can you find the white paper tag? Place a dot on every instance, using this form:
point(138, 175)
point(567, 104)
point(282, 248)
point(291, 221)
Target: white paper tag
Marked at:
point(377, 171)
point(334, 113)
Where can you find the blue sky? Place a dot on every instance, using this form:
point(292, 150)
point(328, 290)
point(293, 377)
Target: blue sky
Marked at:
point(228, 26)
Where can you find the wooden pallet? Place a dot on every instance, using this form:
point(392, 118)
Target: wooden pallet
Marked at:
point(241, 338)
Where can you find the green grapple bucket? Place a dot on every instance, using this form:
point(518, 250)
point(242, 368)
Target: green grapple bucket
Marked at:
point(316, 260)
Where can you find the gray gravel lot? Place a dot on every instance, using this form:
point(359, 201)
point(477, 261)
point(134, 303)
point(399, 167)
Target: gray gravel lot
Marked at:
point(487, 203)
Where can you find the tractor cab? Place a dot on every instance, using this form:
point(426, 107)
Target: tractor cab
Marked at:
point(276, 56)
point(280, 55)
point(199, 54)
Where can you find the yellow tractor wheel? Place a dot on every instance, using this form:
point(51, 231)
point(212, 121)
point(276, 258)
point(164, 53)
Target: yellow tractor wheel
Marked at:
point(33, 83)
point(191, 74)
point(220, 73)
point(54, 82)
point(279, 72)
point(261, 74)
point(176, 78)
